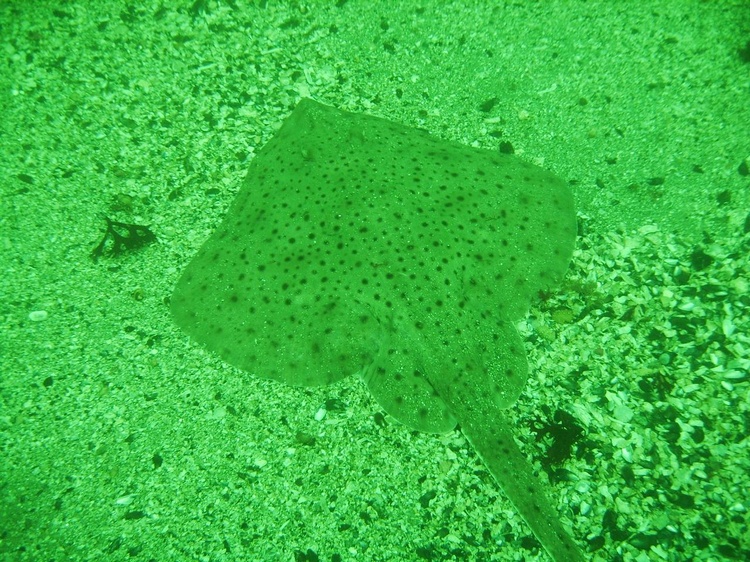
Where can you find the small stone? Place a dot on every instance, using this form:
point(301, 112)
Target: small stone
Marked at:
point(305, 439)
point(622, 413)
point(125, 500)
point(427, 497)
point(563, 315)
point(133, 515)
point(627, 455)
point(700, 260)
point(38, 315)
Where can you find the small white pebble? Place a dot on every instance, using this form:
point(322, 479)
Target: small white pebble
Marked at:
point(320, 414)
point(740, 285)
point(727, 326)
point(38, 315)
point(690, 388)
point(648, 229)
point(627, 455)
point(218, 413)
point(125, 500)
point(622, 413)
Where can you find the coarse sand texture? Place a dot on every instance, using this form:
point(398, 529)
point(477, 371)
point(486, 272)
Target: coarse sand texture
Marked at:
point(358, 245)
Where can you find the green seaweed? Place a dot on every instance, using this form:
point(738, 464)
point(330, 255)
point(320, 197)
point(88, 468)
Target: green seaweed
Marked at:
point(358, 245)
